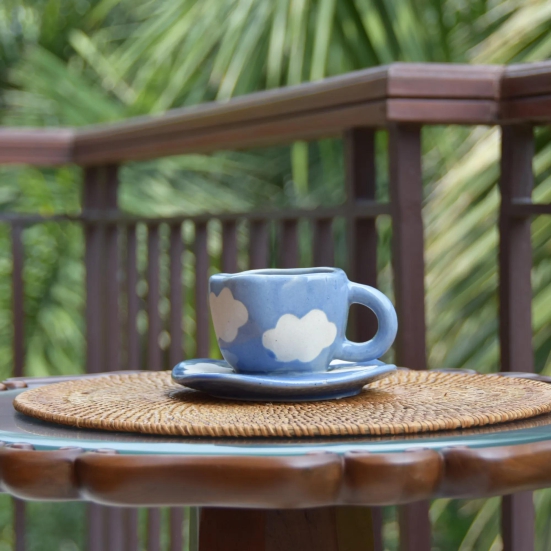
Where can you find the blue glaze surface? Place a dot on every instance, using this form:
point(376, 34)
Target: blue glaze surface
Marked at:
point(294, 321)
point(217, 378)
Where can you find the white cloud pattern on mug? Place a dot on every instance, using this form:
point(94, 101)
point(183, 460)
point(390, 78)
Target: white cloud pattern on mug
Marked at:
point(300, 339)
point(228, 314)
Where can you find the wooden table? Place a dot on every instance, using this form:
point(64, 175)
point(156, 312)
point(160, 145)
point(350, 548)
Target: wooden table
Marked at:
point(272, 495)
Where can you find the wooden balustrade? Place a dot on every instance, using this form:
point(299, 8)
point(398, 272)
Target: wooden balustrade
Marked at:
point(399, 99)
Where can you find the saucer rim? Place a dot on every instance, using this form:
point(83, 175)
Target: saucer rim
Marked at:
point(289, 375)
point(299, 388)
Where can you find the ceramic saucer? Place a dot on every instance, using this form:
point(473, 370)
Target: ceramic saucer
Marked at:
point(218, 378)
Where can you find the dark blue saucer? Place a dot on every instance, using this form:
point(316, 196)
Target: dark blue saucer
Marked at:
point(218, 378)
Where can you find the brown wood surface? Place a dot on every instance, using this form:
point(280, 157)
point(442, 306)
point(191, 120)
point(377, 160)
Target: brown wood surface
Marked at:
point(112, 319)
point(232, 530)
point(154, 357)
point(423, 93)
point(362, 208)
point(310, 125)
point(112, 299)
point(292, 482)
point(154, 353)
point(523, 209)
point(176, 528)
point(515, 302)
point(130, 526)
point(359, 146)
point(361, 185)
point(515, 251)
point(435, 111)
point(114, 529)
point(93, 198)
point(101, 252)
point(229, 247)
point(300, 112)
point(415, 527)
point(496, 471)
point(406, 193)
point(17, 300)
point(202, 262)
point(359, 528)
point(36, 146)
point(175, 352)
point(391, 478)
point(312, 480)
point(288, 244)
point(100, 191)
point(526, 79)
point(518, 522)
point(153, 534)
point(443, 80)
point(176, 294)
point(535, 109)
point(133, 345)
point(39, 475)
point(320, 529)
point(323, 246)
point(20, 525)
point(95, 527)
point(258, 244)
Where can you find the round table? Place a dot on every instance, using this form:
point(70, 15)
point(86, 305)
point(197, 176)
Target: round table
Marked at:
point(261, 494)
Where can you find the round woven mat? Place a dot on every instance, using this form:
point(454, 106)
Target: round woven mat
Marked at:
point(407, 402)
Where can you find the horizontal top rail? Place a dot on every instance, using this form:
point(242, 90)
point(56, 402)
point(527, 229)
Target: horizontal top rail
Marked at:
point(417, 93)
point(360, 209)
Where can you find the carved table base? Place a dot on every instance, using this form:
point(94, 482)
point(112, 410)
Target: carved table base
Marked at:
point(320, 529)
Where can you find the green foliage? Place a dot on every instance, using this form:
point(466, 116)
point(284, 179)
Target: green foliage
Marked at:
point(66, 62)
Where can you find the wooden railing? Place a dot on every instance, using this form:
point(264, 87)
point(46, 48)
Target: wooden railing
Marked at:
point(398, 99)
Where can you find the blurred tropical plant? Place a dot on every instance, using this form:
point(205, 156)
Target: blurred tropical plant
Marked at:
point(76, 62)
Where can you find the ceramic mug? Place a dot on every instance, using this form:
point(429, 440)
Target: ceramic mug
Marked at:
point(294, 320)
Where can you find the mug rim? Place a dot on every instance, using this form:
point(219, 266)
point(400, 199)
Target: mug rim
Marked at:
point(283, 272)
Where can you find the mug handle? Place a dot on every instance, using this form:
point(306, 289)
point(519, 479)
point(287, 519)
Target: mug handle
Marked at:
point(386, 317)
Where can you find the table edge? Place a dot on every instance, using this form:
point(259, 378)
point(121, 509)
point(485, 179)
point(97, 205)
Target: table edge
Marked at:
point(292, 481)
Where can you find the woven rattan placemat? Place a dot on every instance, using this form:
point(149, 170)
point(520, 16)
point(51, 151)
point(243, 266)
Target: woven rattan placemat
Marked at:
point(407, 402)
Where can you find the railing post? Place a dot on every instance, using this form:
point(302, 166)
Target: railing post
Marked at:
point(129, 521)
point(18, 317)
point(359, 149)
point(515, 251)
point(133, 345)
point(258, 244)
point(100, 194)
point(154, 355)
point(18, 300)
point(406, 198)
point(112, 276)
point(202, 327)
point(324, 253)
point(229, 246)
point(102, 316)
point(359, 146)
point(289, 245)
point(175, 353)
point(515, 303)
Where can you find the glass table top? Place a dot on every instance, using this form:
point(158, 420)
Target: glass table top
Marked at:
point(15, 427)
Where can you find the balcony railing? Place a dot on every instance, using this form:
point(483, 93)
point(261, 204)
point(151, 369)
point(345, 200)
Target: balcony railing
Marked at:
point(399, 99)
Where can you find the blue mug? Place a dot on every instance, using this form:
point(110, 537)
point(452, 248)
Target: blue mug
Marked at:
point(284, 321)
